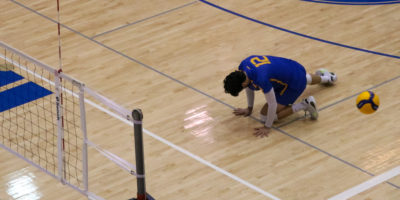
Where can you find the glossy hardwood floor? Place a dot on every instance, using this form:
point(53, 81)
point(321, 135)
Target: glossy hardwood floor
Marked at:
point(169, 59)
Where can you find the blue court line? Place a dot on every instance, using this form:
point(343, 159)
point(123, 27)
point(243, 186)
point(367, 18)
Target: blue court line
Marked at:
point(20, 95)
point(142, 20)
point(299, 34)
point(7, 77)
point(354, 3)
point(163, 74)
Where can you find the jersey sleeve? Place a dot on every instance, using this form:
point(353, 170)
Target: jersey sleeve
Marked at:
point(242, 65)
point(250, 97)
point(272, 106)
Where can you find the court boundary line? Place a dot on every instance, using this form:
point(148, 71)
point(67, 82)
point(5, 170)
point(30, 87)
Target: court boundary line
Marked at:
point(352, 3)
point(296, 33)
point(144, 19)
point(367, 184)
point(178, 81)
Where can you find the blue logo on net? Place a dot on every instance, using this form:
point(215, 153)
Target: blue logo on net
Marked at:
point(356, 2)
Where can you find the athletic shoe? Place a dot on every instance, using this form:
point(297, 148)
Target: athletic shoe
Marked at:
point(311, 107)
point(325, 72)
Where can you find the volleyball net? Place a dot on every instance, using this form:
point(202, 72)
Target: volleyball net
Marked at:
point(43, 121)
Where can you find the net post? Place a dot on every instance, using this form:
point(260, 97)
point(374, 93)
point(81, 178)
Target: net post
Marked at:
point(137, 116)
point(84, 145)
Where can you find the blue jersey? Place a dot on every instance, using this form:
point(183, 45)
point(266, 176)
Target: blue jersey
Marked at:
point(285, 76)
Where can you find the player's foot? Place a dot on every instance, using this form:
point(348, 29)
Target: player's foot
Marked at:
point(311, 107)
point(331, 77)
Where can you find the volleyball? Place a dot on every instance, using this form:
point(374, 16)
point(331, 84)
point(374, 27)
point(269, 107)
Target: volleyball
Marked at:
point(367, 102)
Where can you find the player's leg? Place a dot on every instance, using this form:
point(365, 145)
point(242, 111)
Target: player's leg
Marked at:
point(282, 111)
point(308, 105)
point(313, 79)
point(285, 111)
point(322, 76)
point(264, 111)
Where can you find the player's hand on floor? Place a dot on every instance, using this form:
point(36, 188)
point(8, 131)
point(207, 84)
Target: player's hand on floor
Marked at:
point(262, 131)
point(242, 111)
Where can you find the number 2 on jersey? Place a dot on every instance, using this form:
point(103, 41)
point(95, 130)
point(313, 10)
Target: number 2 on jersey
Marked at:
point(257, 61)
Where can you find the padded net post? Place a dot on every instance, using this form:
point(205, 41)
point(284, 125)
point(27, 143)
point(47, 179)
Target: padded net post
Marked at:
point(137, 116)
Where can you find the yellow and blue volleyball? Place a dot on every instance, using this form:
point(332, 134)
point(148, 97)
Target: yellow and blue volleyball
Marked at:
point(367, 102)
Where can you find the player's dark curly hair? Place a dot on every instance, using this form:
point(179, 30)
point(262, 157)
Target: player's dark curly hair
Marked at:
point(233, 82)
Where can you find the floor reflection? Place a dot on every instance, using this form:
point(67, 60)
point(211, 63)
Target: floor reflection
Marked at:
point(197, 122)
point(22, 186)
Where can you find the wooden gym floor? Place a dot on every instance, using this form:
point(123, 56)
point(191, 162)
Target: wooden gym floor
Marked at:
point(169, 59)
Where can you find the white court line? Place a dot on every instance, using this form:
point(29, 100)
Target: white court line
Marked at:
point(180, 149)
point(367, 184)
